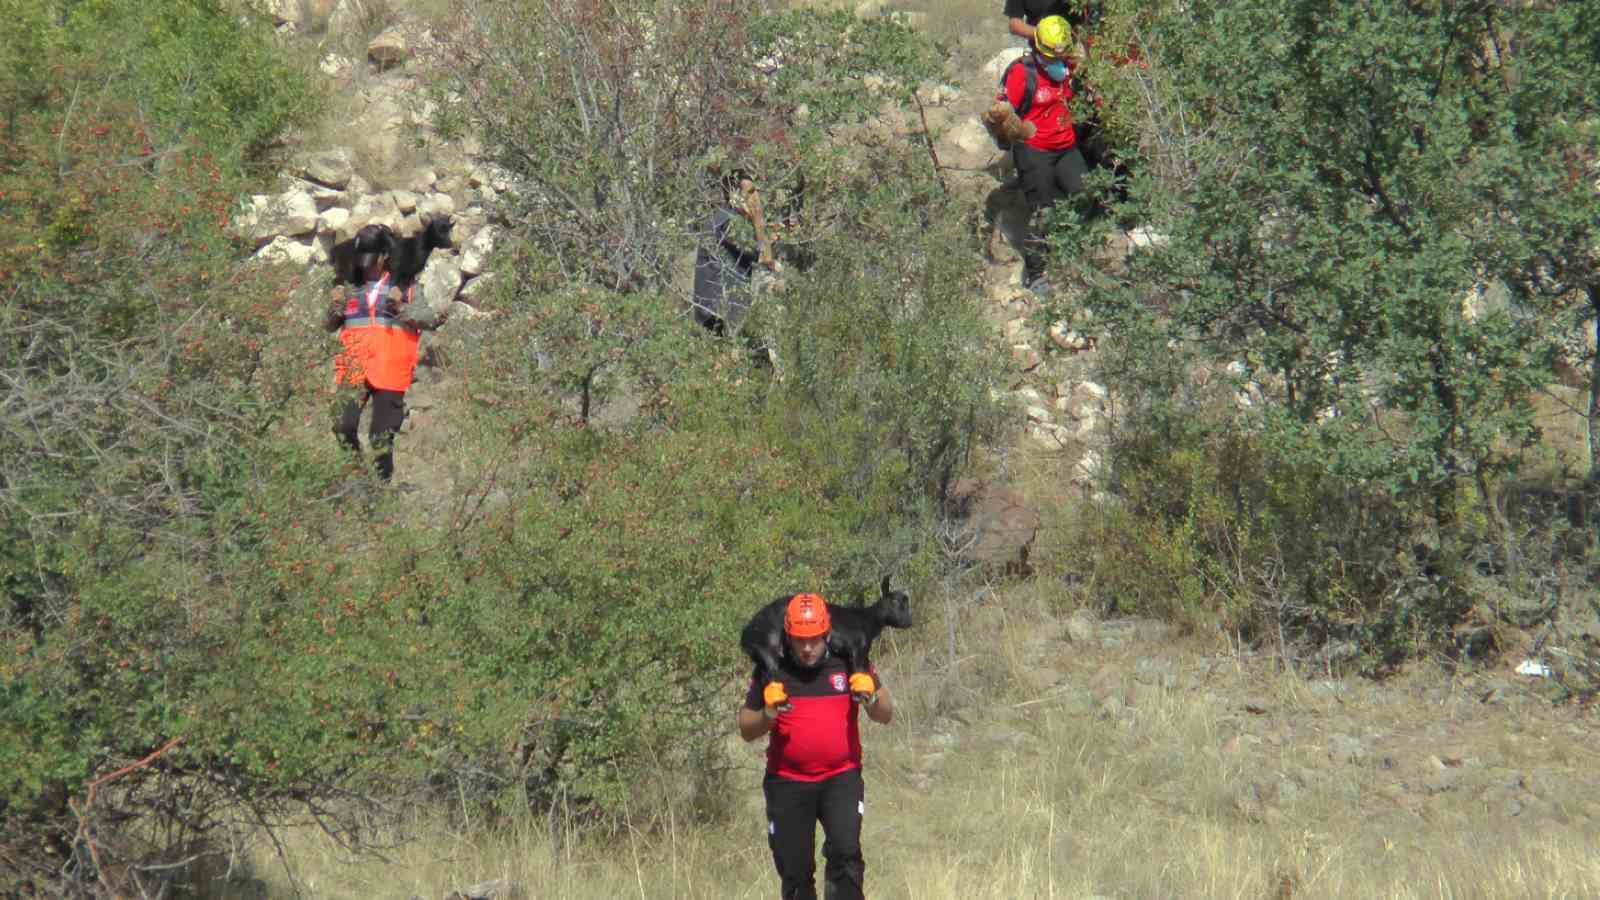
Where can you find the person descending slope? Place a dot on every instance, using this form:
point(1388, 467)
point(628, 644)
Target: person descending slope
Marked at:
point(813, 754)
point(1049, 167)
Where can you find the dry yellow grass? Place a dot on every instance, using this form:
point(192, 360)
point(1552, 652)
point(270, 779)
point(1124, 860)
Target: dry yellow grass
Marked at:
point(1126, 763)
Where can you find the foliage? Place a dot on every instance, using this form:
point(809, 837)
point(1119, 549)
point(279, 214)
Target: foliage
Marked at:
point(212, 617)
point(135, 383)
point(619, 119)
point(1361, 180)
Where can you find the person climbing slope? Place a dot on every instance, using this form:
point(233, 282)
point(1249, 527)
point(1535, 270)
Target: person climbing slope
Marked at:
point(814, 754)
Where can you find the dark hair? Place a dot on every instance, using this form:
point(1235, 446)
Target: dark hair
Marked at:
point(352, 257)
point(371, 242)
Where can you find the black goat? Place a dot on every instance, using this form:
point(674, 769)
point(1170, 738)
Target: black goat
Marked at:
point(853, 630)
point(409, 255)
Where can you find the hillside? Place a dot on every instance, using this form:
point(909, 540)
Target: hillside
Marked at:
point(1256, 559)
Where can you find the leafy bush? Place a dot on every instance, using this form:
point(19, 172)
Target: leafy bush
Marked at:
point(210, 622)
point(1332, 208)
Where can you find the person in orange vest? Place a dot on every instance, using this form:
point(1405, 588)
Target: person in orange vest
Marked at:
point(809, 715)
point(380, 329)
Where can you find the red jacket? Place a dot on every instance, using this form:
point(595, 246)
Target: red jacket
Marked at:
point(820, 736)
point(1048, 112)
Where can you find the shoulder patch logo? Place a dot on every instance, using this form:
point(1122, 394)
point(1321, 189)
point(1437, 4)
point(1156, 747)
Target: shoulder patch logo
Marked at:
point(838, 682)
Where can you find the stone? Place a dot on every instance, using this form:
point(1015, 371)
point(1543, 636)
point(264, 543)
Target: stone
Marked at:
point(476, 289)
point(1080, 627)
point(466, 312)
point(938, 94)
point(389, 48)
point(999, 61)
point(423, 180)
point(1067, 339)
point(281, 12)
point(1038, 414)
point(376, 209)
point(291, 213)
point(405, 201)
point(475, 253)
point(1049, 435)
point(1144, 238)
point(972, 139)
point(440, 281)
point(324, 197)
point(433, 205)
point(1087, 469)
point(283, 249)
point(994, 526)
point(1088, 393)
point(331, 168)
point(334, 65)
point(333, 221)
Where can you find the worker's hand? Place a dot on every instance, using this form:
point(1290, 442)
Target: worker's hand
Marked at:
point(776, 699)
point(863, 687)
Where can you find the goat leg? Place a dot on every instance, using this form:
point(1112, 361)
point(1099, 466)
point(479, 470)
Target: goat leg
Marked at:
point(767, 662)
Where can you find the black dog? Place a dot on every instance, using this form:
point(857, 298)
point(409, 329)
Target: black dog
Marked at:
point(408, 255)
point(854, 628)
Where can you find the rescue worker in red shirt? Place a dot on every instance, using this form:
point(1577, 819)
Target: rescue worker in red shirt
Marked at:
point(1049, 166)
point(380, 329)
point(814, 754)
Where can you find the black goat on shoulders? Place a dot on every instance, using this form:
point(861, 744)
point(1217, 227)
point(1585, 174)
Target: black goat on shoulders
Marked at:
point(409, 255)
point(853, 629)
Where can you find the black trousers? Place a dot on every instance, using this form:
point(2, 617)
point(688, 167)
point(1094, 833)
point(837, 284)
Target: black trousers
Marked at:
point(793, 810)
point(388, 412)
point(1047, 177)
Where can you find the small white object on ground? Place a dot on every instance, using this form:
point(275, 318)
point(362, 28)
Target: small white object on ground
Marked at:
point(1534, 668)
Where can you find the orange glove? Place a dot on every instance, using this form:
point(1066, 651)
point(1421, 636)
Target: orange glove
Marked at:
point(774, 696)
point(863, 686)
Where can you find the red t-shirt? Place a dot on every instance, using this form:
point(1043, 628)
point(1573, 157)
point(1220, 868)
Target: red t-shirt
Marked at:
point(820, 736)
point(1049, 112)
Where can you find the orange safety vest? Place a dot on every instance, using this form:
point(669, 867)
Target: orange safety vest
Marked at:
point(379, 351)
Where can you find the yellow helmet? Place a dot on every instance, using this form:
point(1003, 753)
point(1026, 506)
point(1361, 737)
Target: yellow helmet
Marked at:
point(1053, 37)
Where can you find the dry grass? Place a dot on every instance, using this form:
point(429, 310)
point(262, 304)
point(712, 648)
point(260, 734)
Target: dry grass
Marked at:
point(1031, 765)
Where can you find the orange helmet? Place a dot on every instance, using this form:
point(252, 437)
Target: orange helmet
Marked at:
point(807, 617)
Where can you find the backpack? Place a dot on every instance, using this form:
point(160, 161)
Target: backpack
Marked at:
point(1029, 85)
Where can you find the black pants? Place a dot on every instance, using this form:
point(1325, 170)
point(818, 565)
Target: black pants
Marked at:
point(793, 810)
point(1047, 177)
point(388, 412)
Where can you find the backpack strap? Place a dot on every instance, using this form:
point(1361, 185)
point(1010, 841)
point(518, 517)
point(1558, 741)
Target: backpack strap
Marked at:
point(1029, 85)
